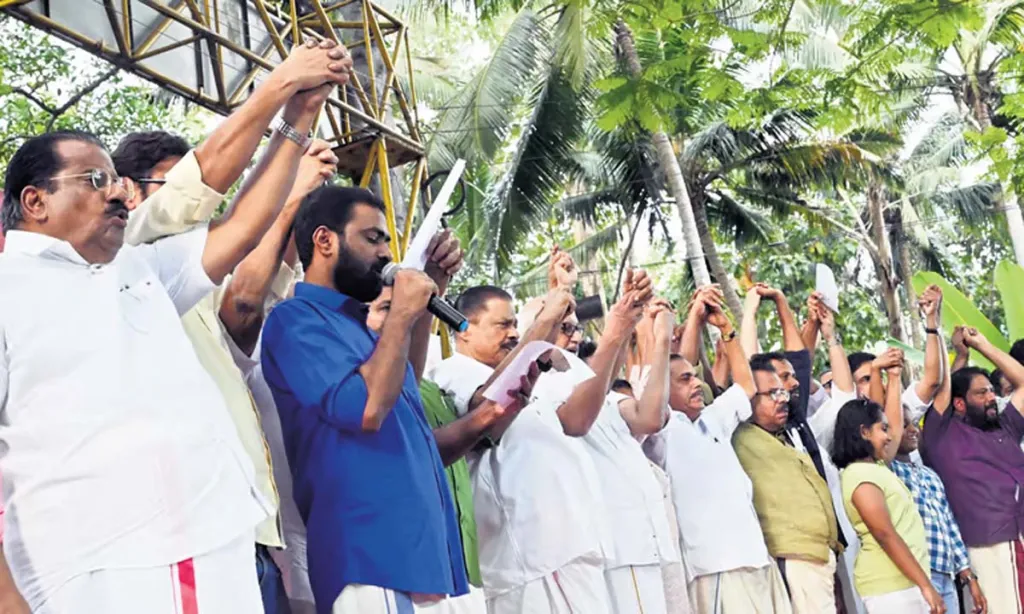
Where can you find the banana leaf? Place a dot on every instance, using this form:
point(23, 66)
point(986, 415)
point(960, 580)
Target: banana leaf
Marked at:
point(1010, 283)
point(958, 310)
point(911, 353)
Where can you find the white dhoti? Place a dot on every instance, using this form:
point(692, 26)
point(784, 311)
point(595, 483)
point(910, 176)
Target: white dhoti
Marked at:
point(1000, 568)
point(219, 582)
point(576, 588)
point(636, 589)
point(908, 601)
point(741, 591)
point(363, 599)
point(812, 585)
point(473, 603)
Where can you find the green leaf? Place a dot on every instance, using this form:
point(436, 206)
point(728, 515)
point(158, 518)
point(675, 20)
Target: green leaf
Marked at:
point(911, 353)
point(958, 310)
point(1010, 283)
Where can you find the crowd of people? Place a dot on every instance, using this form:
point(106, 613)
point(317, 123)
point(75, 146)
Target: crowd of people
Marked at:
point(236, 415)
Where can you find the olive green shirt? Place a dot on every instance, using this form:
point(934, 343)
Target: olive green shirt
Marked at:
point(440, 410)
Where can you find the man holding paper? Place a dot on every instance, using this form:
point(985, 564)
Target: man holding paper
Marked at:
point(368, 479)
point(536, 492)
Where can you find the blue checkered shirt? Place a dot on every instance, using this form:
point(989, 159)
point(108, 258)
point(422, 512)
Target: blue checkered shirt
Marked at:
point(946, 547)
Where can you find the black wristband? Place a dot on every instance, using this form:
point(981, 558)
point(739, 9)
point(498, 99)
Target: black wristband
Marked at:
point(931, 331)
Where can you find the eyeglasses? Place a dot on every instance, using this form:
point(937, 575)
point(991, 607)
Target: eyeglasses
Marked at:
point(776, 394)
point(569, 329)
point(105, 181)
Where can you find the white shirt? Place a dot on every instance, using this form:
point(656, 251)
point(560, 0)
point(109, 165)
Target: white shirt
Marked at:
point(115, 445)
point(632, 496)
point(714, 498)
point(292, 560)
point(533, 494)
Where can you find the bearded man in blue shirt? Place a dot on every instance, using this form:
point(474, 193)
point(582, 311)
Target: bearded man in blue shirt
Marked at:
point(368, 478)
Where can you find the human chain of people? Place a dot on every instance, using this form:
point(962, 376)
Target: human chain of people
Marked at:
point(237, 415)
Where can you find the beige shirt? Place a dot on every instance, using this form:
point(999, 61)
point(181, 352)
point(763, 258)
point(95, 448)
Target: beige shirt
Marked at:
point(182, 203)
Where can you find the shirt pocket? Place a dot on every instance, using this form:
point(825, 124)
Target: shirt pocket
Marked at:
point(143, 302)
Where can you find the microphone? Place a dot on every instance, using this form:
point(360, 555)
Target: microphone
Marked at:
point(438, 307)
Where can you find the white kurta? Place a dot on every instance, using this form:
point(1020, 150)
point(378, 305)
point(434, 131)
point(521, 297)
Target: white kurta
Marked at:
point(536, 495)
point(118, 450)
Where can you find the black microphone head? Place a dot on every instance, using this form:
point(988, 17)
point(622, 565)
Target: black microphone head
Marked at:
point(387, 274)
point(589, 308)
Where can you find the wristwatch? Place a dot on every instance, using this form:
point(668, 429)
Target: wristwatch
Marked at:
point(290, 133)
point(836, 340)
point(931, 331)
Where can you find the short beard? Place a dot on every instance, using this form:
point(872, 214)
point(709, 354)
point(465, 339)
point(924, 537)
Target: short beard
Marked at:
point(355, 279)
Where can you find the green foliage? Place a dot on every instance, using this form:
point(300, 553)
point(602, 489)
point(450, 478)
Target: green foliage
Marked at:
point(47, 85)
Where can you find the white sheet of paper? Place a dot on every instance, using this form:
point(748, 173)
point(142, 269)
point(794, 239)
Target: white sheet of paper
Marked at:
point(825, 283)
point(416, 257)
point(509, 378)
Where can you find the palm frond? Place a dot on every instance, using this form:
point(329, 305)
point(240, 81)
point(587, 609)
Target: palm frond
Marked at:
point(542, 160)
point(745, 224)
point(476, 121)
point(584, 207)
point(972, 203)
point(943, 145)
point(1004, 24)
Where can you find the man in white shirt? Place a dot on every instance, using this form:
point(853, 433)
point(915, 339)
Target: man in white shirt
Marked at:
point(536, 492)
point(640, 530)
point(726, 560)
point(127, 489)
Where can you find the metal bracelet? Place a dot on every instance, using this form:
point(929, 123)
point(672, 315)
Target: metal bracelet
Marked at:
point(289, 132)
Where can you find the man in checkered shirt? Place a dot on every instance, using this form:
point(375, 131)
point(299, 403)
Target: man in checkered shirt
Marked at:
point(945, 546)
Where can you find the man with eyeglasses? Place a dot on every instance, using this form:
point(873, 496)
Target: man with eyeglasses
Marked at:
point(727, 565)
point(224, 326)
point(127, 488)
point(792, 499)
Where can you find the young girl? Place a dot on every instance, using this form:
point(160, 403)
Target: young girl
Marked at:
point(891, 571)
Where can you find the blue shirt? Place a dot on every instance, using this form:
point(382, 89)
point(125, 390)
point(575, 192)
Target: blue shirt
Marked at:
point(376, 505)
point(946, 547)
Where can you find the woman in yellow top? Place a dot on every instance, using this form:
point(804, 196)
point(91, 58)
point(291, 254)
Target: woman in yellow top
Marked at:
point(892, 568)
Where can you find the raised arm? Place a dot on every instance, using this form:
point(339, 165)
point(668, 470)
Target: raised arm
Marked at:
point(791, 339)
point(241, 310)
point(870, 503)
point(689, 344)
point(823, 422)
point(1012, 370)
point(812, 325)
point(739, 366)
point(962, 352)
point(748, 325)
point(894, 407)
point(930, 305)
point(304, 79)
point(647, 416)
point(444, 260)
point(580, 410)
point(227, 151)
point(944, 397)
point(384, 372)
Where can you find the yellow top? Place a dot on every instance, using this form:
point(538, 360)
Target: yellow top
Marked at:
point(874, 573)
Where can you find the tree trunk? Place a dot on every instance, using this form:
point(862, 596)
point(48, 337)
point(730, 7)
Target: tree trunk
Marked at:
point(915, 317)
point(670, 166)
point(1014, 220)
point(877, 199)
point(722, 276)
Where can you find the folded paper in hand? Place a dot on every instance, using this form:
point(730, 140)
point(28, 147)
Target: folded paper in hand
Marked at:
point(825, 283)
point(509, 379)
point(416, 257)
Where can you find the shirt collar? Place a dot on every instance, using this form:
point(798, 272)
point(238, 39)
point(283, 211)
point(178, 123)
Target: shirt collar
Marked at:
point(40, 245)
point(332, 299)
